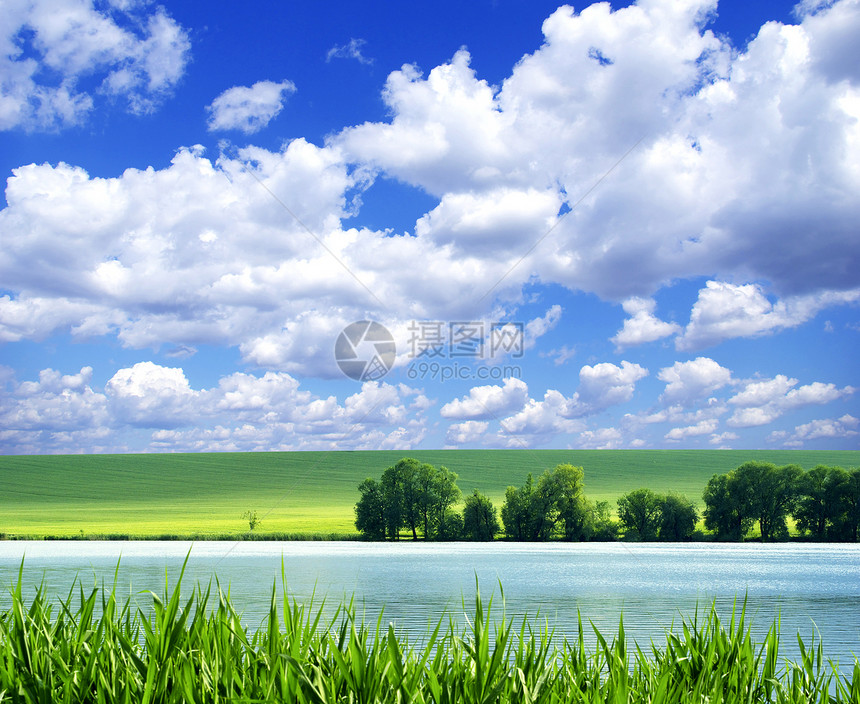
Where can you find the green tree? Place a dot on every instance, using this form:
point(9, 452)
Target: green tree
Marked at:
point(395, 492)
point(446, 494)
point(538, 511)
point(370, 514)
point(450, 526)
point(603, 526)
point(678, 518)
point(771, 493)
point(639, 513)
point(846, 523)
point(516, 511)
point(480, 520)
point(820, 493)
point(726, 511)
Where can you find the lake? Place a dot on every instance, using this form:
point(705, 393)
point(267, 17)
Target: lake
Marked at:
point(808, 586)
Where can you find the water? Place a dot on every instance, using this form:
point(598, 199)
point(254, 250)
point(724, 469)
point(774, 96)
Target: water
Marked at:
point(811, 588)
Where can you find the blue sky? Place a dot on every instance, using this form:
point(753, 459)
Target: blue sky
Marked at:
point(656, 203)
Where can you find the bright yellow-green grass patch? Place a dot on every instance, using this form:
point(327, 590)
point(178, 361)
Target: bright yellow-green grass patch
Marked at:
point(309, 492)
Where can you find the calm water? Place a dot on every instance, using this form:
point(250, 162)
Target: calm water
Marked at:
point(807, 586)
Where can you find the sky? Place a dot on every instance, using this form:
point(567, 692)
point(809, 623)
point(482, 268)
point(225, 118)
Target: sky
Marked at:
point(502, 224)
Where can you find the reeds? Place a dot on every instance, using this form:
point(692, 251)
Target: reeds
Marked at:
point(89, 648)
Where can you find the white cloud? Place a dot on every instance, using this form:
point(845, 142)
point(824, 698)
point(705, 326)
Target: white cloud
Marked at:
point(538, 327)
point(151, 396)
point(600, 439)
point(687, 382)
point(643, 326)
point(722, 439)
point(350, 50)
point(464, 433)
point(487, 402)
point(600, 386)
point(705, 427)
point(604, 385)
point(64, 413)
point(762, 402)
point(539, 421)
point(825, 428)
point(248, 109)
point(47, 47)
point(748, 172)
point(724, 311)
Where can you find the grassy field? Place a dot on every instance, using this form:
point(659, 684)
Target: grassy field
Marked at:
point(308, 492)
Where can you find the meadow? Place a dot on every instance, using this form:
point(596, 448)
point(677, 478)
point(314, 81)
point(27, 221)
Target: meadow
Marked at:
point(309, 494)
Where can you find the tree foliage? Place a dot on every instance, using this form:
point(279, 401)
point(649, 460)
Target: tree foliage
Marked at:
point(553, 506)
point(678, 518)
point(639, 513)
point(480, 519)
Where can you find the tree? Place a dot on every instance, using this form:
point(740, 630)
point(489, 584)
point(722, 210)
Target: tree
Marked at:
point(516, 511)
point(846, 522)
point(538, 511)
point(726, 512)
point(639, 513)
point(820, 495)
point(400, 489)
point(678, 517)
point(446, 494)
point(413, 495)
point(480, 521)
point(603, 527)
point(771, 494)
point(370, 514)
point(572, 510)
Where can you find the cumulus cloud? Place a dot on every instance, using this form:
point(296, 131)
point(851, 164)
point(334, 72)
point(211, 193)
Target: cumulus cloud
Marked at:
point(747, 171)
point(151, 396)
point(486, 402)
point(825, 428)
point(65, 413)
point(600, 439)
point(600, 387)
point(464, 433)
point(732, 182)
point(248, 108)
point(724, 311)
point(704, 427)
point(690, 381)
point(642, 326)
point(137, 52)
point(762, 402)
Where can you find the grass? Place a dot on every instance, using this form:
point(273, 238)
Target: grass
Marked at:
point(93, 649)
point(307, 493)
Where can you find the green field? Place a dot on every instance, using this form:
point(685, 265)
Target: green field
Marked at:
point(309, 492)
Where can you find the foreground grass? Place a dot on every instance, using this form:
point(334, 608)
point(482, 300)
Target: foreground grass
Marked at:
point(308, 493)
point(89, 648)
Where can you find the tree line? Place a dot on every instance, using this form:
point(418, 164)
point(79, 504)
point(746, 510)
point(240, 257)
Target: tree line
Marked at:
point(824, 502)
point(421, 499)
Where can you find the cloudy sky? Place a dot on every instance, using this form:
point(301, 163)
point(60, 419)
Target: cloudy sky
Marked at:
point(584, 227)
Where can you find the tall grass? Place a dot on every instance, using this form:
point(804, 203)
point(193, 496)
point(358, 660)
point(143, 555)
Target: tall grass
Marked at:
point(89, 648)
